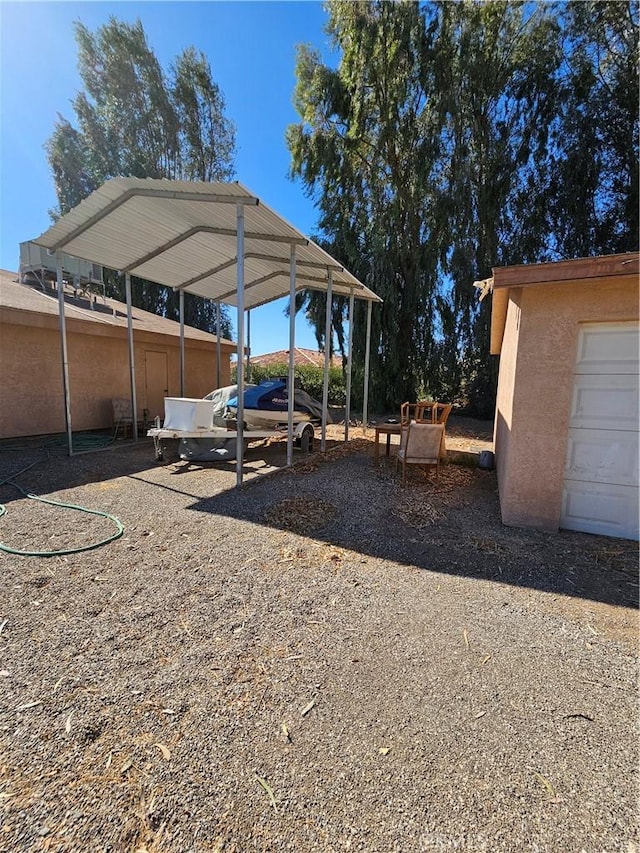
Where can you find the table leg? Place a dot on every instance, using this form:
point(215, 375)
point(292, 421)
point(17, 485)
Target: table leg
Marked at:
point(388, 443)
point(376, 449)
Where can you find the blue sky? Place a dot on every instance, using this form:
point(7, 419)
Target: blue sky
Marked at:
point(251, 47)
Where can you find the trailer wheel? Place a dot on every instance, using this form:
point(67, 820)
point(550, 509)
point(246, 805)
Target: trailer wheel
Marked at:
point(306, 439)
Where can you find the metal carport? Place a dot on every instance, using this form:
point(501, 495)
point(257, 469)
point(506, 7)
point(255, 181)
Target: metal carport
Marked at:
point(216, 240)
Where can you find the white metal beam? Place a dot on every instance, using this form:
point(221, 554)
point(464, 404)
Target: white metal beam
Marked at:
point(132, 366)
point(181, 301)
point(218, 345)
point(347, 414)
point(367, 353)
point(327, 354)
point(240, 347)
point(292, 346)
point(65, 356)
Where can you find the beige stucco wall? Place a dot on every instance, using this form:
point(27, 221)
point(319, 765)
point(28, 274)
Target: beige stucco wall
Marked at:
point(535, 387)
point(506, 383)
point(31, 392)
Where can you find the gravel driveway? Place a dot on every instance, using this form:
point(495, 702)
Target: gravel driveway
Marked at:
point(323, 660)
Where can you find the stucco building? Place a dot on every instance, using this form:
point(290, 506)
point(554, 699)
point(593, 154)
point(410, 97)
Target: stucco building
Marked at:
point(31, 392)
point(566, 424)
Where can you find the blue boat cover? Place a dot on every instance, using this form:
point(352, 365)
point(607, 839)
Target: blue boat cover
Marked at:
point(270, 395)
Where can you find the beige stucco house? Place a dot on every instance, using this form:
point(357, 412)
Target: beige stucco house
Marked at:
point(566, 424)
point(31, 391)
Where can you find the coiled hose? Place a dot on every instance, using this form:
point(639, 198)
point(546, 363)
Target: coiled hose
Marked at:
point(64, 551)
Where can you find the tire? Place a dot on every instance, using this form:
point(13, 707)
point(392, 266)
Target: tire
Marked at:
point(306, 439)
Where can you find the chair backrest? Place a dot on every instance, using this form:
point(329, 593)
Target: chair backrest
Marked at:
point(423, 441)
point(121, 410)
point(423, 410)
point(441, 412)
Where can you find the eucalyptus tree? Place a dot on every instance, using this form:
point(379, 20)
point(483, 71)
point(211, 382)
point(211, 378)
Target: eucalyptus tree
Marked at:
point(595, 179)
point(136, 120)
point(497, 65)
point(365, 147)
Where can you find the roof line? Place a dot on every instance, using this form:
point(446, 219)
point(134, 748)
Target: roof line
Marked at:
point(148, 192)
point(202, 275)
point(315, 264)
point(264, 278)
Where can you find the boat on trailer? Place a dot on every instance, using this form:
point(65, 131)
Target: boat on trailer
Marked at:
point(207, 428)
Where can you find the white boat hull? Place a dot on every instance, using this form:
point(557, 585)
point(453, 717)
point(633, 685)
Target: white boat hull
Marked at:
point(265, 419)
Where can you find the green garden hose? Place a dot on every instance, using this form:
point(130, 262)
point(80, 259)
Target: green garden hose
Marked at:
point(77, 508)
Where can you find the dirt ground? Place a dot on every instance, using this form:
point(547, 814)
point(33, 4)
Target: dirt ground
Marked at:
point(322, 660)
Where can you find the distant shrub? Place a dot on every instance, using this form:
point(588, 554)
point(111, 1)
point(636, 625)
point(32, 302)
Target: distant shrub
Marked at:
point(310, 379)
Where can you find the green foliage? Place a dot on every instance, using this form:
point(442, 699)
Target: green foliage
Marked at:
point(134, 119)
point(594, 200)
point(452, 138)
point(310, 377)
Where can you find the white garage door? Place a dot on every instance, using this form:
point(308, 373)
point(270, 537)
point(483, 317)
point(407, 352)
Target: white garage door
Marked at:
point(600, 490)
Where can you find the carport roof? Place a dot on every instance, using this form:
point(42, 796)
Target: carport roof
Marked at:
point(183, 234)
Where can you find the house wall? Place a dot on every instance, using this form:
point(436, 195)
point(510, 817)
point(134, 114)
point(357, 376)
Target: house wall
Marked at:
point(532, 414)
point(505, 394)
point(31, 392)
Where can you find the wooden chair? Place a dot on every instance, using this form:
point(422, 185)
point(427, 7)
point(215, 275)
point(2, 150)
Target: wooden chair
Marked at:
point(441, 412)
point(420, 444)
point(420, 411)
point(123, 418)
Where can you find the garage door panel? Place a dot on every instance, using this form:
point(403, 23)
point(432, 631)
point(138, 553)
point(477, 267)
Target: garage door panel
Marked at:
point(600, 484)
point(602, 456)
point(608, 348)
point(600, 508)
point(605, 402)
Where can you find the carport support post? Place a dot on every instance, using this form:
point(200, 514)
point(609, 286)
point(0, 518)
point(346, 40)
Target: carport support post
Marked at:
point(365, 406)
point(248, 371)
point(65, 356)
point(347, 413)
point(240, 349)
point(292, 344)
point(218, 345)
point(132, 367)
point(327, 351)
point(181, 301)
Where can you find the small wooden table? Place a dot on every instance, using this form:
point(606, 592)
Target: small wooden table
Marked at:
point(388, 430)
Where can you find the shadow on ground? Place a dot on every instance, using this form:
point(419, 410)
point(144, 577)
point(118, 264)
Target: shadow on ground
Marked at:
point(452, 527)
point(343, 500)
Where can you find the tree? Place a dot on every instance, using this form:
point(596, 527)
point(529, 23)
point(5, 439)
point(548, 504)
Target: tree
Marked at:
point(455, 137)
point(135, 120)
point(363, 147)
point(496, 64)
point(595, 180)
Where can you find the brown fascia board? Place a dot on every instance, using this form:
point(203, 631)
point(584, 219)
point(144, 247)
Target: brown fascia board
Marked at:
point(555, 272)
